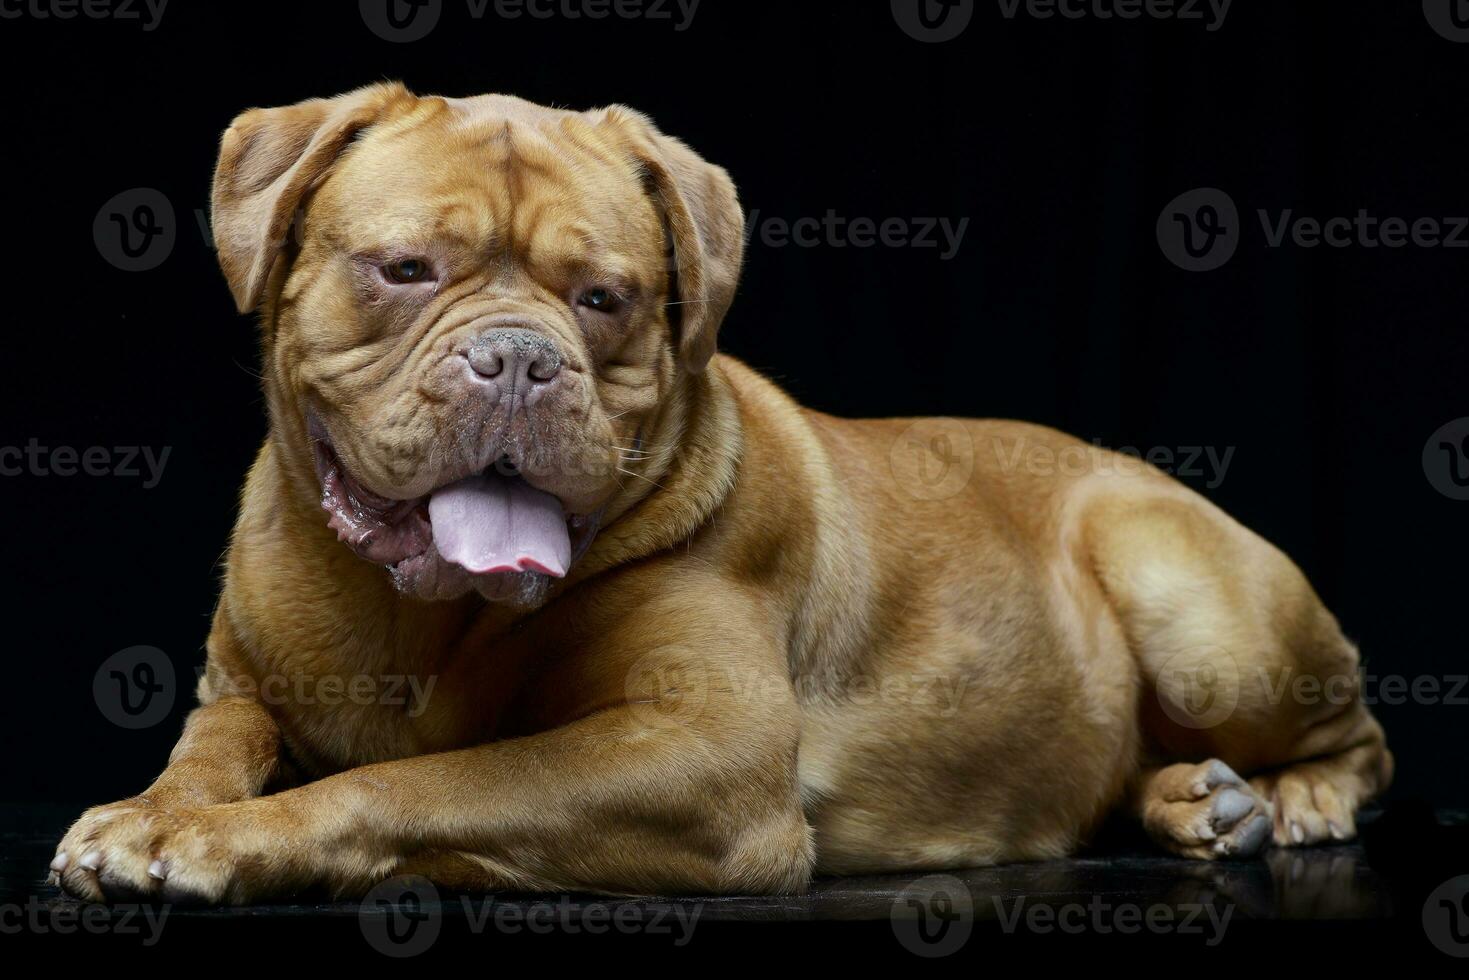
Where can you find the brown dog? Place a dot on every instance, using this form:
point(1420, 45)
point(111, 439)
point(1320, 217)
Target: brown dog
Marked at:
point(666, 631)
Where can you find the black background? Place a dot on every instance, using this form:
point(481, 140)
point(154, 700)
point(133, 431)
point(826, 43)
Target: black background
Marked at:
point(1060, 141)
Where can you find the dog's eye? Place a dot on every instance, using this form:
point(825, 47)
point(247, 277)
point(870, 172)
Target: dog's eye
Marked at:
point(406, 271)
point(598, 299)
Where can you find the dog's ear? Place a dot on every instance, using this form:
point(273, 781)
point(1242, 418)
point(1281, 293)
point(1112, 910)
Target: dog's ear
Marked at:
point(706, 230)
point(269, 160)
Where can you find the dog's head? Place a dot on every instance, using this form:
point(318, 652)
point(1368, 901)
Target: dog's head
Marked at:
point(474, 311)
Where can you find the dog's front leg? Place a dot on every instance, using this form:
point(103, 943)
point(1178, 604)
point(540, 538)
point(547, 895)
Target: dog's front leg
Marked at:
point(613, 802)
point(229, 751)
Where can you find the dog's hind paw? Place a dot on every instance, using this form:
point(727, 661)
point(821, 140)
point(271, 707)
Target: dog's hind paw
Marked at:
point(1205, 811)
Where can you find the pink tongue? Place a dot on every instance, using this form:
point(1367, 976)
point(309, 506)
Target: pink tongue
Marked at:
point(494, 524)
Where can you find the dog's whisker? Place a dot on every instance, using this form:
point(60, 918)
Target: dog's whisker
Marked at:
point(641, 477)
point(645, 449)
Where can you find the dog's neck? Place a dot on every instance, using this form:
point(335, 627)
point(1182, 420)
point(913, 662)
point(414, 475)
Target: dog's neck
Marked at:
point(694, 445)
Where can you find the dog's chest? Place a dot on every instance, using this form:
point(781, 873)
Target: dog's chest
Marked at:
point(435, 686)
point(379, 717)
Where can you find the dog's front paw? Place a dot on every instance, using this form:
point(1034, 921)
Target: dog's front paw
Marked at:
point(78, 865)
point(136, 851)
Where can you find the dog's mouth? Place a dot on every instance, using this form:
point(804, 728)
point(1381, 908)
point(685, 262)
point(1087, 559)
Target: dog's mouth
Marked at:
point(493, 524)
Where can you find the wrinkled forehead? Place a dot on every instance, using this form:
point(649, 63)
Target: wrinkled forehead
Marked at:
point(493, 174)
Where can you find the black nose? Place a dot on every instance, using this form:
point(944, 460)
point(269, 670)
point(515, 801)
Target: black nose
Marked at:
point(524, 357)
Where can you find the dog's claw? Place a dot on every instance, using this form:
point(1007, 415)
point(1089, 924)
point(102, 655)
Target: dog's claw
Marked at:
point(1252, 837)
point(1229, 807)
point(1218, 774)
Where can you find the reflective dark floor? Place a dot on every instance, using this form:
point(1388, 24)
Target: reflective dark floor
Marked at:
point(1122, 886)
